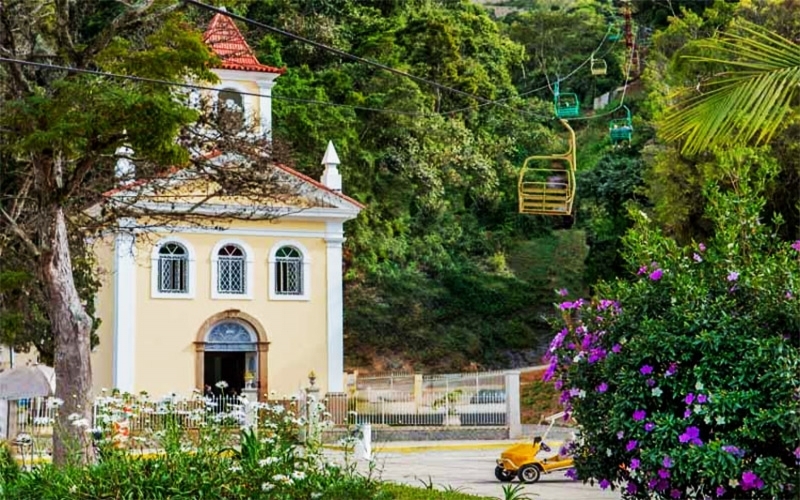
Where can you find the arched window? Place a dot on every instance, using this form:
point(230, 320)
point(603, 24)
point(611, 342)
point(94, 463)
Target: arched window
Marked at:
point(288, 271)
point(173, 268)
point(231, 270)
point(230, 108)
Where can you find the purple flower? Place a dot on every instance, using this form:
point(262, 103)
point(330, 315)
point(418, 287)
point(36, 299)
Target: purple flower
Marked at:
point(662, 485)
point(788, 294)
point(563, 292)
point(733, 276)
point(702, 398)
point(574, 392)
point(720, 491)
point(620, 434)
point(652, 483)
point(667, 462)
point(566, 305)
point(796, 245)
point(751, 481)
point(697, 258)
point(646, 370)
point(616, 348)
point(673, 367)
point(656, 275)
point(604, 484)
point(733, 450)
point(650, 382)
point(603, 387)
point(639, 415)
point(631, 488)
point(689, 398)
point(634, 463)
point(597, 354)
point(702, 247)
point(551, 370)
point(692, 436)
point(687, 413)
point(558, 384)
point(649, 426)
point(675, 493)
point(642, 270)
point(572, 474)
point(631, 445)
point(604, 304)
point(663, 473)
point(796, 453)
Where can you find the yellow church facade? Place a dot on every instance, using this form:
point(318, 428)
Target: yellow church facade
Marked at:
point(257, 305)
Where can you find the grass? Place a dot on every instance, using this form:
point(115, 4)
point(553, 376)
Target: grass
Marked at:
point(394, 491)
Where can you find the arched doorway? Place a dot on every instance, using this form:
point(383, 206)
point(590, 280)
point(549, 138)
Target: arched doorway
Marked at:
point(232, 347)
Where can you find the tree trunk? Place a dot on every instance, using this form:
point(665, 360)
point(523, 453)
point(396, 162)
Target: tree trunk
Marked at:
point(71, 328)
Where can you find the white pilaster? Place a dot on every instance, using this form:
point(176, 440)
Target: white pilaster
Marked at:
point(334, 238)
point(124, 307)
point(265, 108)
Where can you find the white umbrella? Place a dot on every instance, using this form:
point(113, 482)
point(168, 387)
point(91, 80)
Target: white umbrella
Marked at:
point(23, 382)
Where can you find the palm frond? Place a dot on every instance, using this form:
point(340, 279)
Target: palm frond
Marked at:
point(748, 102)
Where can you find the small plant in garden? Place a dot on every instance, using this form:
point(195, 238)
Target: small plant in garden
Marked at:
point(685, 380)
point(187, 449)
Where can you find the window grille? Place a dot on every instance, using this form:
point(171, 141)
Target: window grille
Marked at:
point(231, 270)
point(288, 271)
point(173, 269)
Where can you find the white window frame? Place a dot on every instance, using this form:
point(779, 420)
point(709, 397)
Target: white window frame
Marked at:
point(306, 266)
point(155, 293)
point(248, 271)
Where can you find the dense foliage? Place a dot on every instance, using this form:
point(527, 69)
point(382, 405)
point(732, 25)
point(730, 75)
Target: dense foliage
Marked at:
point(188, 449)
point(685, 380)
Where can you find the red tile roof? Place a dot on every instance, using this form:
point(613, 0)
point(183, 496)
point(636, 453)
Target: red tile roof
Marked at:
point(227, 42)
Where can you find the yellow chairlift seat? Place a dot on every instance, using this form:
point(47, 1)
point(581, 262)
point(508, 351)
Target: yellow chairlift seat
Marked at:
point(549, 191)
point(599, 67)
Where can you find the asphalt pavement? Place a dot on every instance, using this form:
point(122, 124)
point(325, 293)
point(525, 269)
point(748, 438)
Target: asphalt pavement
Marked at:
point(467, 466)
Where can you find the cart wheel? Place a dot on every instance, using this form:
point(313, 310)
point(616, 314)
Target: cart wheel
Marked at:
point(502, 474)
point(529, 474)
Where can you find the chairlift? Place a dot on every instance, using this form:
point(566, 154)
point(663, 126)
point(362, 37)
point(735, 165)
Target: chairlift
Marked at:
point(550, 190)
point(621, 129)
point(567, 104)
point(598, 66)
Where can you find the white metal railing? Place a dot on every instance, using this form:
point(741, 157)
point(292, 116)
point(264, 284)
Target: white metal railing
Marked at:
point(427, 408)
point(37, 415)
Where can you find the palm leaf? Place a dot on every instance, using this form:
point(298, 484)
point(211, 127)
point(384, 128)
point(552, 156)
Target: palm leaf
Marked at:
point(748, 102)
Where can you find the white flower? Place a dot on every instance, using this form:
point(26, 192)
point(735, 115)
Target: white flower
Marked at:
point(73, 416)
point(720, 420)
point(81, 422)
point(221, 384)
point(699, 386)
point(608, 452)
point(299, 475)
point(73, 489)
point(656, 391)
point(235, 468)
point(54, 403)
point(267, 461)
point(267, 486)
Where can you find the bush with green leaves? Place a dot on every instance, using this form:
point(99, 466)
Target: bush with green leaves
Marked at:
point(685, 379)
point(182, 450)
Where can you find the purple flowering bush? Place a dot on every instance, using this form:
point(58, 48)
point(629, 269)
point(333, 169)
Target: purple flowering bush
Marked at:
point(685, 379)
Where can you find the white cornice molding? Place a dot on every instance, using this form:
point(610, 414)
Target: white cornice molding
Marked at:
point(257, 77)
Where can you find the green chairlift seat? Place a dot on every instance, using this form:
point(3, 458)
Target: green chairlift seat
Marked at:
point(567, 104)
point(621, 129)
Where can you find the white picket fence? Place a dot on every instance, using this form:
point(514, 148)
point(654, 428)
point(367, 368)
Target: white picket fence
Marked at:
point(36, 416)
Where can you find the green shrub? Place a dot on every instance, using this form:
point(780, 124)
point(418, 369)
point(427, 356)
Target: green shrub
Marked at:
point(263, 460)
point(685, 380)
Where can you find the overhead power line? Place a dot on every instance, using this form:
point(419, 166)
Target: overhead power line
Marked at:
point(203, 87)
point(336, 51)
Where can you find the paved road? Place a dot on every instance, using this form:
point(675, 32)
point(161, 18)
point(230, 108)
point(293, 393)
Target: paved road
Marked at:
point(469, 467)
